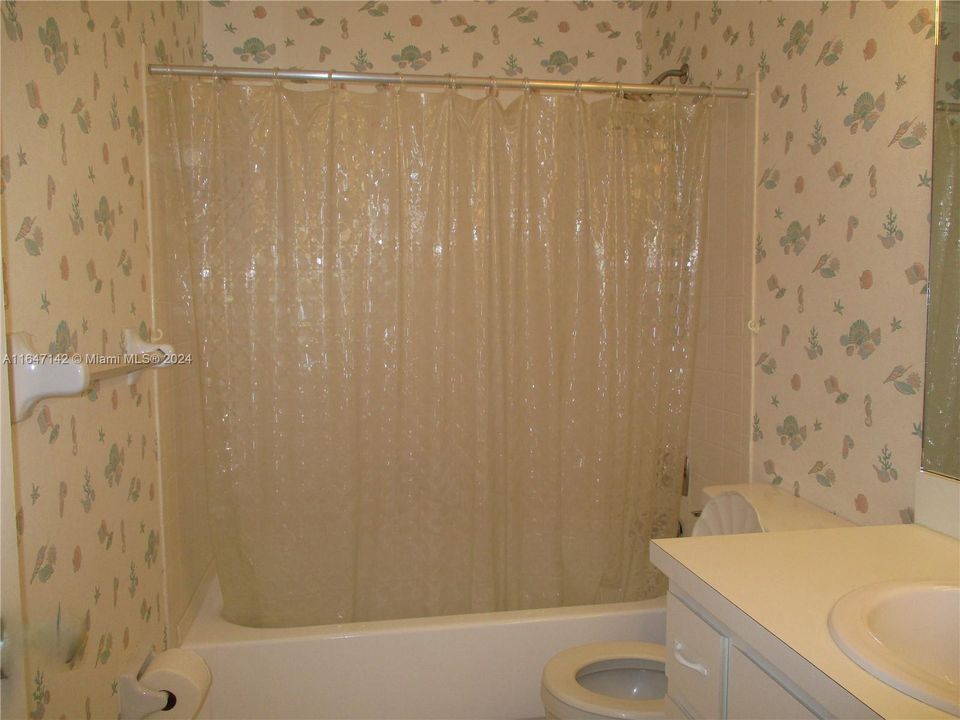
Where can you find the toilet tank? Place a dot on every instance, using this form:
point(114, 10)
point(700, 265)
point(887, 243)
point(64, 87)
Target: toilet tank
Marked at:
point(755, 507)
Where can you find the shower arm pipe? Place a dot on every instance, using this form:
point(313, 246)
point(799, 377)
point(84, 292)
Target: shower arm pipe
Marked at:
point(451, 81)
point(682, 72)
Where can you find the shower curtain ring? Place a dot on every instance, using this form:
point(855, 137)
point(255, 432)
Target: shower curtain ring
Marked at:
point(276, 73)
point(578, 87)
point(493, 85)
point(453, 81)
point(216, 73)
point(526, 84)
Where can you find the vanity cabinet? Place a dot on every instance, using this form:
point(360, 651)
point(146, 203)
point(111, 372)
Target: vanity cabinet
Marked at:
point(748, 632)
point(753, 695)
point(695, 661)
point(713, 672)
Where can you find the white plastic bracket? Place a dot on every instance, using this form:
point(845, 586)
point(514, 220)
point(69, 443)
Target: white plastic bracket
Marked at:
point(35, 376)
point(162, 353)
point(136, 701)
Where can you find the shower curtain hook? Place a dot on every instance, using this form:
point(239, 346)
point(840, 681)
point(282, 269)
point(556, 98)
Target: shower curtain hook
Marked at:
point(216, 73)
point(619, 89)
point(453, 81)
point(276, 73)
point(330, 78)
point(578, 87)
point(493, 85)
point(403, 82)
point(526, 85)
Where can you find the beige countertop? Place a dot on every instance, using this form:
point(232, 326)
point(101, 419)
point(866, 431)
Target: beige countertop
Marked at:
point(787, 582)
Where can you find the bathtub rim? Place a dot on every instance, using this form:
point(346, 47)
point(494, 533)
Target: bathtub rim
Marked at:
point(207, 627)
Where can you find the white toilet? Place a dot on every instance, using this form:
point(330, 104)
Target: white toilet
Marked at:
point(626, 680)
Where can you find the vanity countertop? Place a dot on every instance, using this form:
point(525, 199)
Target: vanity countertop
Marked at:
point(787, 582)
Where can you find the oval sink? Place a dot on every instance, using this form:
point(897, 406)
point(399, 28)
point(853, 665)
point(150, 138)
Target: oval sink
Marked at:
point(906, 634)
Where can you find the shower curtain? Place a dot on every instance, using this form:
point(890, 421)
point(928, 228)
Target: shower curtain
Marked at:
point(445, 345)
point(941, 409)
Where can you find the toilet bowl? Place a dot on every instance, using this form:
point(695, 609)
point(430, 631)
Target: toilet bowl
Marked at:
point(626, 679)
point(605, 680)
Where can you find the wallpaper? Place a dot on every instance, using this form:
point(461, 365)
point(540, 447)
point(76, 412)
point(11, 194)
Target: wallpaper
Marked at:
point(562, 40)
point(841, 248)
point(843, 188)
point(77, 271)
point(948, 54)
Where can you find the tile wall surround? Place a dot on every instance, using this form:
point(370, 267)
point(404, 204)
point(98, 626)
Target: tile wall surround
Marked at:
point(77, 270)
point(718, 451)
point(841, 245)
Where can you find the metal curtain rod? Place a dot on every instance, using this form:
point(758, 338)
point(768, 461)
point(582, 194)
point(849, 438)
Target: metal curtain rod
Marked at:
point(453, 81)
point(943, 106)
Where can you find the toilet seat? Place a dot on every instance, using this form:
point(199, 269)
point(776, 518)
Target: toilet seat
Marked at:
point(560, 678)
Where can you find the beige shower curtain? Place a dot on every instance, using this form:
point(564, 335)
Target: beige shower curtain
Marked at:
point(445, 344)
point(941, 408)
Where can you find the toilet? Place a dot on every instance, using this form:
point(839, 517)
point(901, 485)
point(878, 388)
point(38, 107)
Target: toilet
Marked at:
point(605, 680)
point(626, 680)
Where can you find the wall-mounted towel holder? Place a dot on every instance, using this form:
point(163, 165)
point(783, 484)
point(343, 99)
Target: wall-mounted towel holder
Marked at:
point(35, 376)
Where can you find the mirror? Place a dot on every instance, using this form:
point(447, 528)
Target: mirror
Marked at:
point(941, 412)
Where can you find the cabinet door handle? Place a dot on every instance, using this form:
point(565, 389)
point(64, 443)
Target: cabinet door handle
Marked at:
point(695, 666)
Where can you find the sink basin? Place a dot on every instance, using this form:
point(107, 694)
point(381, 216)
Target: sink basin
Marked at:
point(906, 634)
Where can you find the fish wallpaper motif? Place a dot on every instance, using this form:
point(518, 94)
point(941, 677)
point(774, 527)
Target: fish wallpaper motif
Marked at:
point(76, 272)
point(842, 233)
point(843, 186)
point(840, 249)
point(561, 40)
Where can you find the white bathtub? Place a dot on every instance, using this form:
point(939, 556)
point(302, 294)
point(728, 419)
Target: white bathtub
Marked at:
point(459, 666)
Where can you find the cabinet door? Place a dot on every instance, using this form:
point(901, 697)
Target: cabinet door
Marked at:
point(754, 695)
point(695, 659)
point(672, 711)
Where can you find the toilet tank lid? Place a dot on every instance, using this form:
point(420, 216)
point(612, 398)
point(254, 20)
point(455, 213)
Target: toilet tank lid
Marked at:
point(779, 510)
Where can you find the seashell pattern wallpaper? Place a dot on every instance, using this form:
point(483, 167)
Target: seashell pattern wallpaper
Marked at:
point(77, 271)
point(843, 185)
point(840, 248)
point(842, 233)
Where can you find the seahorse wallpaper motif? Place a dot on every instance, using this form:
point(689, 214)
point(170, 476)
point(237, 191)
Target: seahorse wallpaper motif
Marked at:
point(843, 186)
point(77, 271)
point(842, 243)
point(841, 249)
point(557, 40)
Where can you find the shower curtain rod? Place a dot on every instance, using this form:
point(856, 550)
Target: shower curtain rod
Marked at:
point(454, 81)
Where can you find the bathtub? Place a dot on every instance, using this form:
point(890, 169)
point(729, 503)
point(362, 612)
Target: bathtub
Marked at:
point(458, 666)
